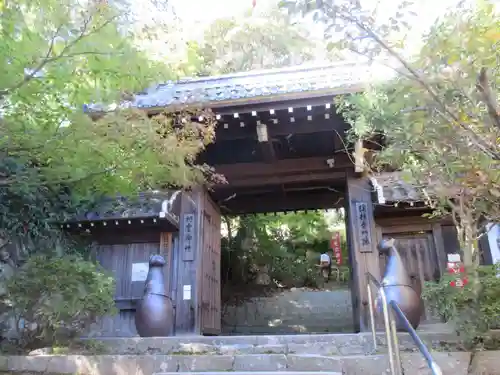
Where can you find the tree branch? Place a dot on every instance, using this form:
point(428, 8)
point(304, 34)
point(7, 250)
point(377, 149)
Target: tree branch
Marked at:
point(38, 68)
point(63, 54)
point(488, 98)
point(6, 182)
point(85, 53)
point(479, 142)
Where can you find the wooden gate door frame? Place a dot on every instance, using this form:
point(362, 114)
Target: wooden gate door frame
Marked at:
point(405, 236)
point(209, 297)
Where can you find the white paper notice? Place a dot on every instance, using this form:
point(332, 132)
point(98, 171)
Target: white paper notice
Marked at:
point(139, 271)
point(186, 292)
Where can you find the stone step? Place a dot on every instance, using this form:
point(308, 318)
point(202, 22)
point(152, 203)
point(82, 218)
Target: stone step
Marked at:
point(452, 363)
point(324, 344)
point(254, 373)
point(322, 326)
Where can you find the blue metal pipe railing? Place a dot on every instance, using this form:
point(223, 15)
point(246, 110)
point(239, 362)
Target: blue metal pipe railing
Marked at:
point(391, 332)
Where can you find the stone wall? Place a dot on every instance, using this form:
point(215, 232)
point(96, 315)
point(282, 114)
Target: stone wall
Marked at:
point(298, 310)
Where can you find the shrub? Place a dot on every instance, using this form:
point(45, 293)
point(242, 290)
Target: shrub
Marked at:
point(294, 271)
point(58, 298)
point(474, 310)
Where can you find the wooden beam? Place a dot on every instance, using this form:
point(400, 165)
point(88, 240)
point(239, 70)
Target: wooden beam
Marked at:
point(411, 218)
point(406, 228)
point(282, 103)
point(282, 128)
point(286, 179)
point(281, 202)
point(283, 167)
point(224, 191)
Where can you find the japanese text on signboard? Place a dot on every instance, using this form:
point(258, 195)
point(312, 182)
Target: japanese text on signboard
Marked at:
point(456, 268)
point(336, 248)
point(188, 237)
point(364, 233)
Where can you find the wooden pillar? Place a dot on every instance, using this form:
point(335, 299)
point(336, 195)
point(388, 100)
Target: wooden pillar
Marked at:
point(207, 300)
point(437, 234)
point(362, 242)
point(166, 243)
point(184, 258)
point(198, 198)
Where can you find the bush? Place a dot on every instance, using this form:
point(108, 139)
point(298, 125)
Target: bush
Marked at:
point(474, 310)
point(58, 298)
point(294, 271)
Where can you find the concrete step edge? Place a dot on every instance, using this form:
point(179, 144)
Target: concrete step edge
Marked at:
point(253, 372)
point(252, 355)
point(452, 363)
point(277, 338)
point(253, 341)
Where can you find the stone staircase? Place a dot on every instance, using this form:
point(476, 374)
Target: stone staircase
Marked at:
point(323, 354)
point(296, 310)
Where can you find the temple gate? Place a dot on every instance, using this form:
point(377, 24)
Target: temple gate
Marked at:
point(282, 147)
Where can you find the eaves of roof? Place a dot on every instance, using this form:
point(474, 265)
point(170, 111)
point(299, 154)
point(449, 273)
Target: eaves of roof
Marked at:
point(258, 87)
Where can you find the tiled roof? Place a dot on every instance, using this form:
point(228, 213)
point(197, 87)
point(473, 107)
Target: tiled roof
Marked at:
point(273, 84)
point(147, 205)
point(391, 187)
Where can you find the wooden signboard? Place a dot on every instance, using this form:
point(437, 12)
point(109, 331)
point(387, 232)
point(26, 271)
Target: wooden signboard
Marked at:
point(336, 248)
point(456, 268)
point(188, 237)
point(363, 228)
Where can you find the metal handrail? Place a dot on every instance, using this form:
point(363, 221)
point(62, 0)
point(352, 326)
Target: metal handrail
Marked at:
point(385, 311)
point(391, 331)
point(435, 369)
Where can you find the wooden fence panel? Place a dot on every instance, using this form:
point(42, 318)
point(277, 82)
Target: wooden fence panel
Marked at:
point(118, 259)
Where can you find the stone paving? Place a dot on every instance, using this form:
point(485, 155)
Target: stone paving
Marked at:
point(298, 310)
point(325, 344)
point(324, 354)
point(452, 364)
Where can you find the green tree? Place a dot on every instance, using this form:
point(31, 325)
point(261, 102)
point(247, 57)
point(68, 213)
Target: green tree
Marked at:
point(288, 245)
point(439, 116)
point(258, 40)
point(57, 57)
point(60, 59)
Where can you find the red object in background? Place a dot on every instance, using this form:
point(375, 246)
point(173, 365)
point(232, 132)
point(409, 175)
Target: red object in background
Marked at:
point(254, 3)
point(335, 246)
point(457, 269)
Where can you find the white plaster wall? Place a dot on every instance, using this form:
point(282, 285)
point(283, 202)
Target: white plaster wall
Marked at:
point(494, 241)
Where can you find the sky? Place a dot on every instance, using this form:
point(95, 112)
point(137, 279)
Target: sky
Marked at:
point(203, 12)
point(194, 16)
